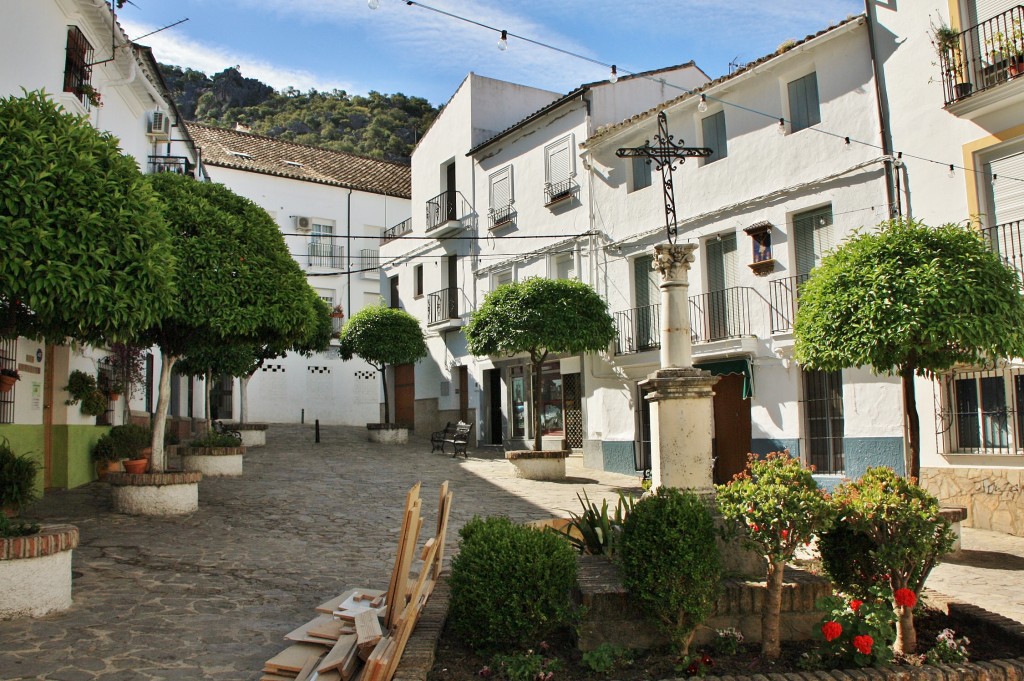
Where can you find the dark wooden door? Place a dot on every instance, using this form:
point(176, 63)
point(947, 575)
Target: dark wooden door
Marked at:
point(48, 383)
point(464, 394)
point(732, 427)
point(493, 383)
point(405, 394)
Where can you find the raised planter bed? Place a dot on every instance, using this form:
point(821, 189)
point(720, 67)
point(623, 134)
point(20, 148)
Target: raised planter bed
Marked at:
point(253, 434)
point(212, 461)
point(387, 433)
point(533, 465)
point(35, 572)
point(157, 494)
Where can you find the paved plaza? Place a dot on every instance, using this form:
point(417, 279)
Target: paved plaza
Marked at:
point(211, 595)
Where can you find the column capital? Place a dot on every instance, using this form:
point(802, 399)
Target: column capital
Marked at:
point(672, 261)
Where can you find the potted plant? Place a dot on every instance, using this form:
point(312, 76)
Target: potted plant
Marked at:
point(106, 458)
point(947, 45)
point(82, 387)
point(17, 480)
point(8, 377)
point(215, 454)
point(1008, 47)
point(132, 442)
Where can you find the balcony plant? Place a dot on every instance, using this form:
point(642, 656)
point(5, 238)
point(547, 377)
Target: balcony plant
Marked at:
point(8, 377)
point(83, 387)
point(946, 41)
point(1008, 47)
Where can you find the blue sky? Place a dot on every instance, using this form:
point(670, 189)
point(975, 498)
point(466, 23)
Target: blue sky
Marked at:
point(328, 44)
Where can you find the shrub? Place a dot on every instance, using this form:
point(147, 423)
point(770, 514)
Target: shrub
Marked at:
point(909, 536)
point(846, 557)
point(948, 649)
point(598, 532)
point(103, 449)
point(10, 529)
point(778, 506)
point(670, 561)
point(856, 631)
point(80, 385)
point(509, 584)
point(129, 440)
point(214, 439)
point(17, 478)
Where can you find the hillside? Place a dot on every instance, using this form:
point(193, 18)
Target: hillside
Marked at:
point(383, 126)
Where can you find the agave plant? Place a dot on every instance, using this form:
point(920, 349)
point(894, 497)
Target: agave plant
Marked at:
point(594, 531)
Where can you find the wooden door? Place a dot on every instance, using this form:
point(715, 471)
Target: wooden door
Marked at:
point(48, 418)
point(405, 394)
point(492, 381)
point(732, 428)
point(464, 394)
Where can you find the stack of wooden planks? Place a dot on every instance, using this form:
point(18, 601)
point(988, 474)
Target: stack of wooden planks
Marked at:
point(360, 634)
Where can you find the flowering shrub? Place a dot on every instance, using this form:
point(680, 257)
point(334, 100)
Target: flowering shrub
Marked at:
point(727, 641)
point(948, 649)
point(695, 665)
point(857, 631)
point(778, 506)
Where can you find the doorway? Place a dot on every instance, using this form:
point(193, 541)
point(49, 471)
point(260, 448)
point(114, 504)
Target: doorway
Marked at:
point(495, 423)
point(732, 427)
point(405, 394)
point(221, 402)
point(464, 394)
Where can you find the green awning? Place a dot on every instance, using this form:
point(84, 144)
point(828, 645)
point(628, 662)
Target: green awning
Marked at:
point(732, 366)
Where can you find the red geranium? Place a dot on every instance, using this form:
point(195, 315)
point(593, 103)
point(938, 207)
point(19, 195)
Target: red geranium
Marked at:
point(863, 644)
point(855, 604)
point(905, 597)
point(832, 630)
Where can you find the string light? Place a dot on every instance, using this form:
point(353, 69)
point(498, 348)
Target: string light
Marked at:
point(503, 41)
point(952, 172)
point(702, 106)
point(782, 126)
point(848, 146)
point(614, 77)
point(373, 4)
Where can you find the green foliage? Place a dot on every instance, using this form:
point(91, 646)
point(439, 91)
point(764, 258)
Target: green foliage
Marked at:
point(604, 658)
point(670, 562)
point(103, 449)
point(909, 296)
point(129, 440)
point(846, 624)
point(127, 364)
point(509, 584)
point(10, 529)
point(214, 439)
point(528, 666)
point(597, 532)
point(382, 126)
point(948, 649)
point(846, 557)
point(82, 387)
point(17, 478)
point(381, 336)
point(727, 641)
point(94, 403)
point(86, 254)
point(777, 505)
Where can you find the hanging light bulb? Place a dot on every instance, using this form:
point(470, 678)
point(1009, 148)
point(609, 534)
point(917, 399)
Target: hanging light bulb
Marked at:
point(503, 41)
point(848, 145)
point(782, 126)
point(373, 4)
point(614, 77)
point(702, 106)
point(952, 171)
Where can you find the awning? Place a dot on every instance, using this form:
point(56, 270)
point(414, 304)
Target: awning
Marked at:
point(732, 366)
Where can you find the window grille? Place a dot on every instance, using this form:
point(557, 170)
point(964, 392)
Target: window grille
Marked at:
point(78, 64)
point(823, 420)
point(8, 360)
point(978, 411)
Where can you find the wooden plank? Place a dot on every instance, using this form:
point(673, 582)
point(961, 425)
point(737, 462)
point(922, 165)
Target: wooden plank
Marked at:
point(374, 668)
point(336, 657)
point(304, 634)
point(349, 665)
point(332, 629)
point(368, 628)
point(309, 669)
point(426, 548)
point(402, 588)
point(293, 658)
point(444, 510)
point(275, 677)
point(411, 496)
point(332, 675)
point(330, 606)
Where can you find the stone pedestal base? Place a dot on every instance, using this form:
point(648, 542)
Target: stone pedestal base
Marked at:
point(35, 572)
point(156, 494)
point(213, 461)
point(532, 465)
point(253, 434)
point(387, 434)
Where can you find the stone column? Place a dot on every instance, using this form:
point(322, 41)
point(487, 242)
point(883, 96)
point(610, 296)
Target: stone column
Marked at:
point(682, 417)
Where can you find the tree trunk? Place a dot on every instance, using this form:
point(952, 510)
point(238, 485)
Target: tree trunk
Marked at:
point(913, 455)
point(207, 389)
point(163, 404)
point(535, 363)
point(906, 634)
point(770, 613)
point(243, 397)
point(384, 385)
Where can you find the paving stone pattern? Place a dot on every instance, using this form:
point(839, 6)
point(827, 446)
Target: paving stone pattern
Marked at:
point(212, 594)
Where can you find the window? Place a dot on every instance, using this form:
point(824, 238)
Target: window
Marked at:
point(641, 174)
point(558, 170)
point(803, 102)
point(564, 266)
point(713, 128)
point(393, 289)
point(336, 318)
point(502, 278)
point(518, 400)
point(813, 235)
point(8, 360)
point(417, 280)
point(501, 197)
point(823, 420)
point(983, 408)
point(369, 262)
point(78, 65)
point(324, 248)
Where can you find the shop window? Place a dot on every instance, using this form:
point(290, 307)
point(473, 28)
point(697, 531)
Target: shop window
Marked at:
point(517, 383)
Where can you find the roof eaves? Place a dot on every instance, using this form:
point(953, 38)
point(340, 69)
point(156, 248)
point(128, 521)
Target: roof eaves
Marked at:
point(529, 119)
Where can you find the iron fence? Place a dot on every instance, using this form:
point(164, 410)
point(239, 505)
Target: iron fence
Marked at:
point(783, 297)
point(718, 315)
point(983, 56)
point(399, 230)
point(442, 305)
point(637, 329)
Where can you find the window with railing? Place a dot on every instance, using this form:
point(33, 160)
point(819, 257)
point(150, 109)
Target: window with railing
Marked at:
point(982, 56)
point(501, 198)
point(1007, 241)
point(718, 315)
point(324, 249)
point(179, 165)
point(443, 305)
point(369, 263)
point(399, 230)
point(637, 329)
point(783, 298)
point(980, 412)
point(559, 170)
point(78, 59)
point(9, 362)
point(824, 425)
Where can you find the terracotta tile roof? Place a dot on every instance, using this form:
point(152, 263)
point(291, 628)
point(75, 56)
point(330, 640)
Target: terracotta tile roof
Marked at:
point(259, 154)
point(608, 129)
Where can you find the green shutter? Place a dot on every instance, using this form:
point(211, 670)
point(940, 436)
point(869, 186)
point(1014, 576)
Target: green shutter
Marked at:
point(804, 110)
point(644, 282)
point(641, 173)
point(713, 128)
point(813, 236)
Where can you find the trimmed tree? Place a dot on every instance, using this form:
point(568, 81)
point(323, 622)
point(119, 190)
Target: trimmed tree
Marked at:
point(778, 507)
point(909, 300)
point(237, 281)
point(381, 336)
point(540, 317)
point(86, 253)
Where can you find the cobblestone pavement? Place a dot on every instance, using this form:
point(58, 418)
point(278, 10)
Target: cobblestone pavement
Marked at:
point(211, 595)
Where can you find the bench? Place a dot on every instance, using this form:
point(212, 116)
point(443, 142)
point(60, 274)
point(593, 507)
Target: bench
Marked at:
point(455, 434)
point(220, 428)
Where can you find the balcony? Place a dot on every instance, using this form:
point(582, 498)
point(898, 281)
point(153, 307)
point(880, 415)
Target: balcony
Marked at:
point(501, 217)
point(720, 315)
point(325, 251)
point(984, 57)
point(1007, 241)
point(637, 330)
point(783, 296)
point(170, 164)
point(399, 230)
point(446, 213)
point(443, 309)
point(556, 192)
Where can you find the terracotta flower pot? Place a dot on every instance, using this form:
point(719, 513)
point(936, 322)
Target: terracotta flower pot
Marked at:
point(105, 468)
point(7, 383)
point(136, 466)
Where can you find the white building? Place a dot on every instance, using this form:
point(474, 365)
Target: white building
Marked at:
point(333, 209)
point(73, 49)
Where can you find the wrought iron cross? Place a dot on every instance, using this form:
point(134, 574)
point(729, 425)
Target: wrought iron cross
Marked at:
point(664, 155)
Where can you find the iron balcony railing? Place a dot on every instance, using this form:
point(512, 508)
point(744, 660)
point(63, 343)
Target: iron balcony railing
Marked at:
point(506, 215)
point(446, 207)
point(442, 305)
point(638, 329)
point(1007, 240)
point(399, 230)
point(170, 164)
point(718, 315)
point(783, 297)
point(983, 56)
point(324, 251)
point(556, 191)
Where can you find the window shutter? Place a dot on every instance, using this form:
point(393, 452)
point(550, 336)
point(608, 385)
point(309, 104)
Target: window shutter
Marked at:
point(1007, 194)
point(714, 136)
point(983, 10)
point(501, 188)
point(641, 173)
point(722, 263)
point(645, 284)
point(559, 161)
point(803, 102)
point(812, 238)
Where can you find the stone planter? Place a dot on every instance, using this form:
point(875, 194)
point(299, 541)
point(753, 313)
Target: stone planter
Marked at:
point(212, 461)
point(387, 433)
point(156, 494)
point(532, 465)
point(35, 572)
point(253, 434)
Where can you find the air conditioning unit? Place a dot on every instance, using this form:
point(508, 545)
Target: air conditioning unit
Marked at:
point(303, 224)
point(159, 126)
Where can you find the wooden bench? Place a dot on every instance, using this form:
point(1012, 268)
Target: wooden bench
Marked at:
point(455, 434)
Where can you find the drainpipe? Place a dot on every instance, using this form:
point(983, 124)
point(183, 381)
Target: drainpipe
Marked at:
point(883, 118)
point(348, 249)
